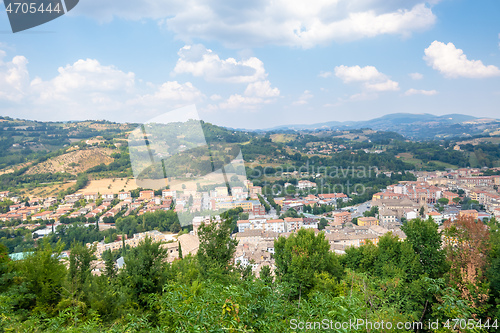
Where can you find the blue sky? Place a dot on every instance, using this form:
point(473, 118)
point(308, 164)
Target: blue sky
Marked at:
point(255, 64)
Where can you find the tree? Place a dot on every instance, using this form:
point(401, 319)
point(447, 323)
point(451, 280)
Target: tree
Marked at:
point(264, 203)
point(322, 223)
point(180, 250)
point(290, 213)
point(243, 216)
point(109, 264)
point(80, 259)
point(217, 247)
point(41, 275)
point(4, 268)
point(302, 255)
point(290, 190)
point(265, 275)
point(175, 227)
point(425, 239)
point(421, 212)
point(396, 259)
point(493, 272)
point(145, 269)
point(467, 248)
point(372, 212)
point(456, 200)
point(443, 201)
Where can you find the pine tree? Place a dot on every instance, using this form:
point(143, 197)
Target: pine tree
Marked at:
point(180, 250)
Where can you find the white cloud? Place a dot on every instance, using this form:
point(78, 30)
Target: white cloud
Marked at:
point(412, 91)
point(256, 94)
point(372, 79)
point(282, 22)
point(304, 98)
point(87, 89)
point(325, 74)
point(453, 63)
point(388, 85)
point(357, 73)
point(215, 97)
point(416, 76)
point(202, 62)
point(83, 78)
point(170, 92)
point(295, 23)
point(129, 9)
point(237, 101)
point(261, 89)
point(14, 77)
point(363, 96)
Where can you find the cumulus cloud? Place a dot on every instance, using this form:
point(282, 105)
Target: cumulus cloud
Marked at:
point(325, 74)
point(387, 85)
point(412, 91)
point(237, 101)
point(295, 23)
point(14, 77)
point(261, 89)
point(199, 61)
point(416, 76)
point(202, 62)
point(357, 73)
point(363, 96)
point(282, 22)
point(83, 79)
point(453, 63)
point(256, 94)
point(105, 11)
point(88, 89)
point(372, 79)
point(169, 92)
point(304, 98)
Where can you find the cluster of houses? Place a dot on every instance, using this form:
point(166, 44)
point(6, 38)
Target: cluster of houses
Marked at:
point(324, 149)
point(405, 199)
point(256, 237)
point(257, 233)
point(110, 204)
point(187, 243)
point(397, 202)
point(298, 203)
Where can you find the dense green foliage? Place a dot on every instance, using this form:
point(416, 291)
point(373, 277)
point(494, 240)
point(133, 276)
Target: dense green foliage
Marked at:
point(390, 282)
point(159, 220)
point(69, 234)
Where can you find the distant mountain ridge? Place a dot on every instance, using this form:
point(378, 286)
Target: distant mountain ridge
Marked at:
point(413, 126)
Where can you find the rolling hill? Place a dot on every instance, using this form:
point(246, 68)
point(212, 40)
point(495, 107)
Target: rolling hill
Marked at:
point(412, 126)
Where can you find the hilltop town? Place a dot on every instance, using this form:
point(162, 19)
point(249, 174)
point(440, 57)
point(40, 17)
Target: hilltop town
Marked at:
point(439, 195)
